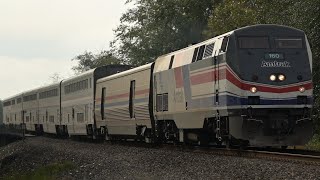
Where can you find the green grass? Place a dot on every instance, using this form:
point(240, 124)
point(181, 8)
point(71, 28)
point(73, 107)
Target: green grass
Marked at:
point(314, 143)
point(47, 172)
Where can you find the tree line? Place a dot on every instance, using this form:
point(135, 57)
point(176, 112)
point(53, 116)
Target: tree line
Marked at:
point(155, 27)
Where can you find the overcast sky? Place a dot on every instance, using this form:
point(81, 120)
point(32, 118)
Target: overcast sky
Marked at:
point(40, 37)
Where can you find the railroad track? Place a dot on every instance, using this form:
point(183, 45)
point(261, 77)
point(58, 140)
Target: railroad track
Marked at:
point(274, 154)
point(289, 155)
point(301, 156)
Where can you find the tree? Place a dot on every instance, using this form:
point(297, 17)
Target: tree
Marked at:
point(88, 60)
point(153, 28)
point(56, 77)
point(232, 14)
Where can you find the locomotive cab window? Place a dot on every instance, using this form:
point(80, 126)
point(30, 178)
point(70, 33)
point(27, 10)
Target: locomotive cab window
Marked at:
point(253, 42)
point(293, 43)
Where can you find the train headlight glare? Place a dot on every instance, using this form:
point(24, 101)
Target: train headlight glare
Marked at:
point(273, 77)
point(253, 89)
point(281, 77)
point(302, 89)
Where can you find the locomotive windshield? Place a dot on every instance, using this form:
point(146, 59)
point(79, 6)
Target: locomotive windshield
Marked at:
point(293, 43)
point(253, 42)
point(263, 43)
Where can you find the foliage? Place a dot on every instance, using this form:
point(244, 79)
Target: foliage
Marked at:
point(48, 172)
point(229, 15)
point(314, 144)
point(88, 60)
point(153, 28)
point(55, 78)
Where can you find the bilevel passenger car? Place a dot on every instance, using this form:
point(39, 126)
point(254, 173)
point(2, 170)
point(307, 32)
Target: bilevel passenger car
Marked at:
point(64, 108)
point(12, 111)
point(49, 109)
point(30, 111)
point(250, 86)
point(77, 99)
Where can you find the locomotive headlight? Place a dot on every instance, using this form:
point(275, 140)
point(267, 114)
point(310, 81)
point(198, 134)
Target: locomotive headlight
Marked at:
point(273, 77)
point(281, 77)
point(253, 89)
point(302, 89)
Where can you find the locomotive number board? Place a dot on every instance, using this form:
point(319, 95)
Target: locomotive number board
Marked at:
point(273, 56)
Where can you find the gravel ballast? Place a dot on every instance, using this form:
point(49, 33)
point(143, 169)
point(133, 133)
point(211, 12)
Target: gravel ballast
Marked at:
point(116, 161)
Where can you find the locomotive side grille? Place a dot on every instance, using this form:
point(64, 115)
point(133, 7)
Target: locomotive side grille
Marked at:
point(209, 50)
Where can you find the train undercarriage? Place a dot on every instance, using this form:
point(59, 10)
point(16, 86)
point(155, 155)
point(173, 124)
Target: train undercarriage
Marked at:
point(248, 127)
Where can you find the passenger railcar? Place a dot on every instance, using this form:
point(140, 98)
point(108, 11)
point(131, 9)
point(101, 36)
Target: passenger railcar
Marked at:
point(12, 109)
point(77, 100)
point(49, 109)
point(122, 104)
point(31, 111)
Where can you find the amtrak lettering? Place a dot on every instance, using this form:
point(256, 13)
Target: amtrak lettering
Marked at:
point(267, 64)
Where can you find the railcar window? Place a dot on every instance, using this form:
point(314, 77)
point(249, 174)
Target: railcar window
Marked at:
point(103, 96)
point(13, 102)
point(8, 103)
point(253, 42)
point(80, 117)
point(131, 98)
point(48, 94)
point(209, 50)
point(51, 119)
point(30, 98)
point(77, 86)
point(19, 100)
point(294, 43)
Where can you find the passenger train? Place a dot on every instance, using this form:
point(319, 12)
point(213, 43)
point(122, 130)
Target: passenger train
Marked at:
point(251, 86)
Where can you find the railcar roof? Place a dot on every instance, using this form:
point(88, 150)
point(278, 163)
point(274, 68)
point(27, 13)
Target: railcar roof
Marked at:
point(89, 72)
point(124, 73)
point(49, 86)
point(12, 97)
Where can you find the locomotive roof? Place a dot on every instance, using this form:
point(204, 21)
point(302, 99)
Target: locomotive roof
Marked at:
point(263, 26)
point(246, 28)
